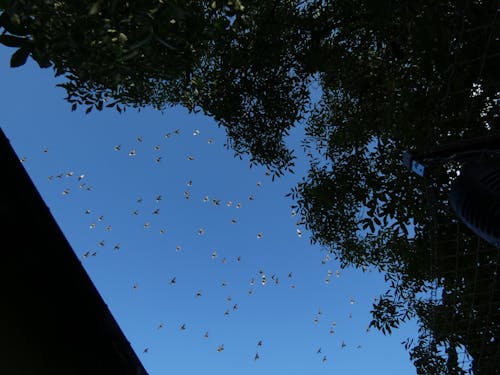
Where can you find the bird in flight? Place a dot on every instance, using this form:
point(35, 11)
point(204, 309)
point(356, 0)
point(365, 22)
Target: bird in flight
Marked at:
point(183, 327)
point(173, 281)
point(256, 356)
point(220, 348)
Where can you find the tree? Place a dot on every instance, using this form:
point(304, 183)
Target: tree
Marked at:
point(394, 75)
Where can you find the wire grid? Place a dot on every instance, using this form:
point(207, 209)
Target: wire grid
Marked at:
point(463, 266)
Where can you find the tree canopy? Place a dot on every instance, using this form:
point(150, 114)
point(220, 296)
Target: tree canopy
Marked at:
point(394, 76)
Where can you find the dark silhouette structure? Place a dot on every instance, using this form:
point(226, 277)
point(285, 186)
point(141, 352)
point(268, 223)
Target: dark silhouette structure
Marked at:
point(52, 318)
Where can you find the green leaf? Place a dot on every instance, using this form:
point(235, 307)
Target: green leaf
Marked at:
point(19, 57)
point(13, 41)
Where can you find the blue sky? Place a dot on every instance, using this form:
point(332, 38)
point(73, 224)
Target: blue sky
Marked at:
point(293, 317)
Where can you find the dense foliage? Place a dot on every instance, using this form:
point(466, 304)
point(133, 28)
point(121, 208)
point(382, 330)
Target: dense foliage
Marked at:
point(394, 75)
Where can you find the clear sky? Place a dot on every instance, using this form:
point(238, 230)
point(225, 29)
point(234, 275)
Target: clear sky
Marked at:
point(212, 250)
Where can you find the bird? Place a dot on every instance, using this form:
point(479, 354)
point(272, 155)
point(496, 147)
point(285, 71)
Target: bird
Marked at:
point(220, 348)
point(259, 235)
point(352, 301)
point(101, 243)
point(206, 335)
point(160, 326)
point(132, 152)
point(145, 350)
point(158, 198)
point(173, 281)
point(158, 159)
point(226, 313)
point(135, 286)
point(86, 254)
point(183, 327)
point(136, 212)
point(223, 284)
point(238, 205)
point(118, 147)
point(324, 359)
point(343, 344)
point(201, 231)
point(178, 248)
point(256, 357)
point(156, 211)
point(263, 280)
point(238, 258)
point(210, 141)
point(318, 351)
point(259, 343)
point(198, 293)
point(117, 247)
point(147, 224)
point(214, 254)
point(157, 147)
point(233, 220)
point(229, 203)
point(196, 132)
point(139, 139)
